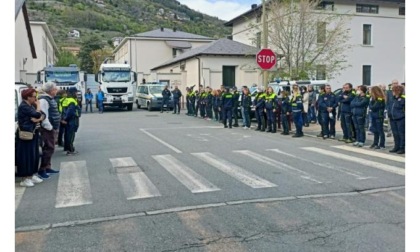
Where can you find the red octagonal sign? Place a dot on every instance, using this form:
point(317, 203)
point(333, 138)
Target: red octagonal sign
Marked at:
point(266, 59)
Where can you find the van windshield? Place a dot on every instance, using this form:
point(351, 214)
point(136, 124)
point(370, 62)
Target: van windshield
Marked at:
point(62, 77)
point(156, 89)
point(116, 76)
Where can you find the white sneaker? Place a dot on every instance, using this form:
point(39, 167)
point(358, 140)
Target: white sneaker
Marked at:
point(36, 180)
point(27, 183)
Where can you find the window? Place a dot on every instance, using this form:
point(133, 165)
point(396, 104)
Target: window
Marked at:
point(367, 34)
point(321, 71)
point(173, 52)
point(258, 42)
point(367, 8)
point(366, 75)
point(401, 11)
point(321, 32)
point(326, 5)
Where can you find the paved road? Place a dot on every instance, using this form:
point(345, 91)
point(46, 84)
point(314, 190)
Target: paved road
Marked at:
point(146, 181)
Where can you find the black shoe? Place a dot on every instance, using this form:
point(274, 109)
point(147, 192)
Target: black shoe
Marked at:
point(373, 146)
point(393, 150)
point(257, 129)
point(236, 125)
point(262, 129)
point(268, 130)
point(377, 147)
point(225, 126)
point(273, 131)
point(230, 126)
point(297, 135)
point(401, 151)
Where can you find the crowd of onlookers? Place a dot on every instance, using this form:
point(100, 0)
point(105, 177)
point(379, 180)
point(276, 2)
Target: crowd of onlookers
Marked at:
point(361, 110)
point(44, 119)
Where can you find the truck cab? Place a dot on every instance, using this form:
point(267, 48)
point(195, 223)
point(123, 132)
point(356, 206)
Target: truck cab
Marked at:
point(118, 83)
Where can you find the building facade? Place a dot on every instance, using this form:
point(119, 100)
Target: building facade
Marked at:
point(45, 46)
point(149, 49)
point(377, 37)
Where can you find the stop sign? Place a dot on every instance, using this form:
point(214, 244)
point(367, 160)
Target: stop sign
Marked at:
point(266, 59)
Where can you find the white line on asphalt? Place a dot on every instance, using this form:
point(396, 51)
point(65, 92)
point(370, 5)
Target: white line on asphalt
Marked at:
point(161, 141)
point(371, 153)
point(234, 171)
point(137, 186)
point(175, 128)
point(325, 165)
point(73, 185)
point(365, 162)
point(278, 165)
point(19, 191)
point(189, 178)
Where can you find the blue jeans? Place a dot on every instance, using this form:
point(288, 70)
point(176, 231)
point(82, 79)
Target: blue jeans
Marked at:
point(329, 124)
point(245, 117)
point(311, 114)
point(285, 123)
point(359, 124)
point(378, 132)
point(101, 106)
point(177, 106)
point(89, 103)
point(227, 115)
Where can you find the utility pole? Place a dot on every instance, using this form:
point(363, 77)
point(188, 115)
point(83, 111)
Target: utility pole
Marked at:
point(265, 40)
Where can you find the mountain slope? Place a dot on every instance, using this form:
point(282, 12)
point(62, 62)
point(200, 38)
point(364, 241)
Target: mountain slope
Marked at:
point(119, 18)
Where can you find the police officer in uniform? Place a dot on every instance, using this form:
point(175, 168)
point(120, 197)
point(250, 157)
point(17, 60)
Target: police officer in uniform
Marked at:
point(270, 109)
point(327, 107)
point(176, 93)
point(71, 120)
point(259, 104)
point(296, 109)
point(235, 106)
point(166, 94)
point(346, 122)
point(397, 118)
point(227, 106)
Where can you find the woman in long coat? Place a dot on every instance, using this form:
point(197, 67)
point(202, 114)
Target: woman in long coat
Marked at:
point(27, 153)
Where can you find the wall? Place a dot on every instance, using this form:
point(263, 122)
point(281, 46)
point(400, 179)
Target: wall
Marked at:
point(22, 48)
point(45, 54)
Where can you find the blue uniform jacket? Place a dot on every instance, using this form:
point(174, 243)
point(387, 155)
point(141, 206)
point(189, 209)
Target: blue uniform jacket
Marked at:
point(377, 108)
point(328, 100)
point(359, 105)
point(176, 94)
point(345, 102)
point(397, 108)
point(227, 100)
point(260, 101)
point(166, 94)
point(285, 105)
point(296, 104)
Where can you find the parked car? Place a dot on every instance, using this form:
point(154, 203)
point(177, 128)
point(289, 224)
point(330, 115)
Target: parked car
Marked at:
point(149, 96)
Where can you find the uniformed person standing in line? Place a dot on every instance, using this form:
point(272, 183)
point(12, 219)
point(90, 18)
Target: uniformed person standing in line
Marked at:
point(259, 109)
point(285, 111)
point(202, 99)
point(327, 107)
point(191, 98)
point(61, 103)
point(319, 114)
point(227, 106)
point(270, 109)
point(176, 94)
point(166, 94)
point(297, 107)
point(187, 90)
point(209, 104)
point(235, 105)
point(221, 114)
point(71, 120)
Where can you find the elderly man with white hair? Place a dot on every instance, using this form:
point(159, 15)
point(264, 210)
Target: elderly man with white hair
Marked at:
point(49, 127)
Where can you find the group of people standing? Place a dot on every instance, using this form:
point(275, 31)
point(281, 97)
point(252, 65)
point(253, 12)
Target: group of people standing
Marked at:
point(49, 116)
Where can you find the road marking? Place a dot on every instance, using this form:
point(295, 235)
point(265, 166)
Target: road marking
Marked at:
point(278, 165)
point(161, 141)
point(73, 185)
point(234, 171)
point(136, 185)
point(365, 162)
point(175, 128)
point(19, 191)
point(189, 178)
point(325, 165)
point(371, 153)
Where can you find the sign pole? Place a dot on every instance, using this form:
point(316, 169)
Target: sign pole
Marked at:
point(265, 40)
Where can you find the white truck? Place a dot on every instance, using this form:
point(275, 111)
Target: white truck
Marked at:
point(64, 77)
point(118, 83)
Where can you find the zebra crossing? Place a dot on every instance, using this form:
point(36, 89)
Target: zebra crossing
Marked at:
point(74, 185)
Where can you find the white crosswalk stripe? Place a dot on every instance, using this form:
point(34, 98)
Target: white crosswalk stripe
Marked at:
point(278, 165)
point(371, 153)
point(135, 183)
point(327, 165)
point(234, 171)
point(362, 161)
point(73, 185)
point(189, 178)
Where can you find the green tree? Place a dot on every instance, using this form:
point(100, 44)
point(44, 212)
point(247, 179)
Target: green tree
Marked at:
point(90, 44)
point(65, 58)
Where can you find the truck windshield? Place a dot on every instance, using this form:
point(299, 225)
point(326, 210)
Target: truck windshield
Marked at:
point(62, 77)
point(156, 89)
point(116, 76)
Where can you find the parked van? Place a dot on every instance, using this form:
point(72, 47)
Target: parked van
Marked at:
point(149, 95)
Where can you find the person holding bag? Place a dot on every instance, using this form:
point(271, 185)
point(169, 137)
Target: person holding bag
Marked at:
point(27, 151)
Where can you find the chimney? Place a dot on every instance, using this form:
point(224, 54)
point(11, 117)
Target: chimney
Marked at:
point(161, 29)
point(174, 29)
point(254, 6)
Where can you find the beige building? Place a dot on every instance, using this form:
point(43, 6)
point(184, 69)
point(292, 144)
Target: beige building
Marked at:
point(25, 52)
point(146, 50)
point(377, 32)
point(222, 62)
point(45, 46)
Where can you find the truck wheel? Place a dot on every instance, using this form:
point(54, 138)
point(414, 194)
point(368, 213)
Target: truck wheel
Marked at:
point(138, 105)
point(149, 106)
point(129, 107)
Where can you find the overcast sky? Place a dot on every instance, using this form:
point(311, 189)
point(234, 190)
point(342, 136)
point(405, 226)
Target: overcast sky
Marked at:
point(223, 9)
